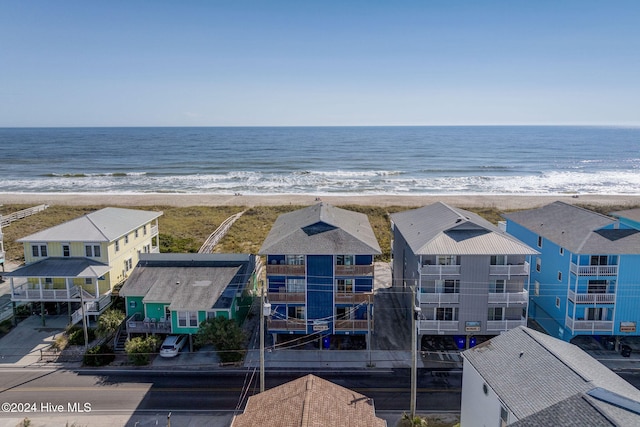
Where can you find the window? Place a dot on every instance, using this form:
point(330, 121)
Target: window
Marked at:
point(495, 313)
point(66, 250)
point(596, 313)
point(88, 281)
point(538, 265)
point(135, 233)
point(599, 260)
point(92, 251)
point(451, 286)
point(295, 285)
point(446, 313)
point(561, 250)
point(144, 230)
point(295, 312)
point(446, 260)
point(539, 241)
point(48, 280)
point(188, 319)
point(294, 259)
point(126, 239)
point(536, 288)
point(497, 286)
point(504, 416)
point(117, 245)
point(560, 276)
point(557, 302)
point(345, 260)
point(133, 304)
point(344, 285)
point(344, 313)
point(127, 264)
point(597, 287)
point(39, 250)
point(498, 260)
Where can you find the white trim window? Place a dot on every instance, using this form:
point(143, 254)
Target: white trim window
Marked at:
point(294, 259)
point(117, 245)
point(295, 285)
point(188, 319)
point(92, 251)
point(344, 285)
point(66, 250)
point(128, 264)
point(345, 260)
point(39, 250)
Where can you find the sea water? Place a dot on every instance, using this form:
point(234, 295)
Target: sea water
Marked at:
point(323, 160)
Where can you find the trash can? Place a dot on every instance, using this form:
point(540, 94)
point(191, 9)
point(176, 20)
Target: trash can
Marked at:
point(625, 351)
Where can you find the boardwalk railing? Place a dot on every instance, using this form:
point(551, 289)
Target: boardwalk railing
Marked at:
point(217, 235)
point(5, 220)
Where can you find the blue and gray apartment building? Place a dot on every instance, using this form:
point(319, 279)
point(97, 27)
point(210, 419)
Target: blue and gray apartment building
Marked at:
point(586, 279)
point(320, 277)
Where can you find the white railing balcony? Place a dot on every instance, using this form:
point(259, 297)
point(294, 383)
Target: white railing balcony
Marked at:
point(352, 325)
point(136, 324)
point(508, 298)
point(155, 249)
point(438, 298)
point(286, 296)
point(30, 292)
point(580, 298)
point(589, 325)
point(594, 270)
point(440, 270)
point(438, 326)
point(509, 270)
point(505, 325)
point(95, 308)
point(154, 230)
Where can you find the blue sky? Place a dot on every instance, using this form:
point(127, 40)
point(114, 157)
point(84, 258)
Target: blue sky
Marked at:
point(282, 63)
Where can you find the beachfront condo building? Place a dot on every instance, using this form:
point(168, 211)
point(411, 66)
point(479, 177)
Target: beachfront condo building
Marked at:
point(175, 293)
point(464, 277)
point(320, 277)
point(586, 279)
point(83, 261)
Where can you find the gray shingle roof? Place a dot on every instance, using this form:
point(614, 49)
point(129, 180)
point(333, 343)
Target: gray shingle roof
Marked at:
point(188, 281)
point(321, 229)
point(309, 401)
point(439, 229)
point(549, 371)
point(62, 267)
point(578, 230)
point(105, 225)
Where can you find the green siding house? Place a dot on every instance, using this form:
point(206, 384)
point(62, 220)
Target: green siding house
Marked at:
point(175, 293)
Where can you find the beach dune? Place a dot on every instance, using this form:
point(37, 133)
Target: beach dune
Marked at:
point(501, 202)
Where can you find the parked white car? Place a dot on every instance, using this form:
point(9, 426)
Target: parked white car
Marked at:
point(172, 345)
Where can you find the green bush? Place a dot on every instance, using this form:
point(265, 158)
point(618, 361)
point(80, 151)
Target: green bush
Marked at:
point(5, 326)
point(99, 355)
point(140, 349)
point(76, 335)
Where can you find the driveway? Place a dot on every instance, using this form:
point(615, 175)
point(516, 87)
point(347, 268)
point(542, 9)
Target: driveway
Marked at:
point(21, 346)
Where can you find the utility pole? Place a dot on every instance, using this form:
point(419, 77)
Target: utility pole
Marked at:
point(84, 320)
point(262, 308)
point(414, 344)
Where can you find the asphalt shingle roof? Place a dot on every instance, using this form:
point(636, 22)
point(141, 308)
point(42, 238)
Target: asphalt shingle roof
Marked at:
point(308, 402)
point(62, 267)
point(321, 229)
point(105, 225)
point(578, 230)
point(439, 229)
point(531, 371)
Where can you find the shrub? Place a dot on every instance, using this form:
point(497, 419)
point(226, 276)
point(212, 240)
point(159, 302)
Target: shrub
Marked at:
point(76, 335)
point(99, 355)
point(140, 349)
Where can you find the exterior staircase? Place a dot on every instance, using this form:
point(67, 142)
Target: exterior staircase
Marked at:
point(119, 340)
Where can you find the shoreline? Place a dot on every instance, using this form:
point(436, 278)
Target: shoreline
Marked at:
point(501, 201)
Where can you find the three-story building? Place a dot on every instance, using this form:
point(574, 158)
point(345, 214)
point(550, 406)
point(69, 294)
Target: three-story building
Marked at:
point(320, 275)
point(586, 280)
point(469, 277)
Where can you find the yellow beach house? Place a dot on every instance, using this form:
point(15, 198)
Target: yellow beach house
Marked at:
point(82, 261)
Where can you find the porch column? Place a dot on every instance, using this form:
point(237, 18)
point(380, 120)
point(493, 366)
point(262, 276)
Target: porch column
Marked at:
point(40, 287)
point(66, 285)
point(42, 312)
point(69, 313)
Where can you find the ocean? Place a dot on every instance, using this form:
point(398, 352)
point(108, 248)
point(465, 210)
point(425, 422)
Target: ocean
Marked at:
point(523, 160)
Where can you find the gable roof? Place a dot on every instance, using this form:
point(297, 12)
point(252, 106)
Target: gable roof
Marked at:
point(309, 401)
point(189, 281)
point(531, 371)
point(439, 229)
point(577, 229)
point(321, 229)
point(105, 225)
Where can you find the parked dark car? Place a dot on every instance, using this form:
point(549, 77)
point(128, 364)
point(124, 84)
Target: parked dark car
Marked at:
point(625, 351)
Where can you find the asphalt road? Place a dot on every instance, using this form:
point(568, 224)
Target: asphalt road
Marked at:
point(35, 393)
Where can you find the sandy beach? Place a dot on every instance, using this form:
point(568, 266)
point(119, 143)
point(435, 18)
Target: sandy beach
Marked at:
point(502, 202)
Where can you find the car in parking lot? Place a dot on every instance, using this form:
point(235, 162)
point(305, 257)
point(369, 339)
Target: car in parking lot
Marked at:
point(172, 345)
